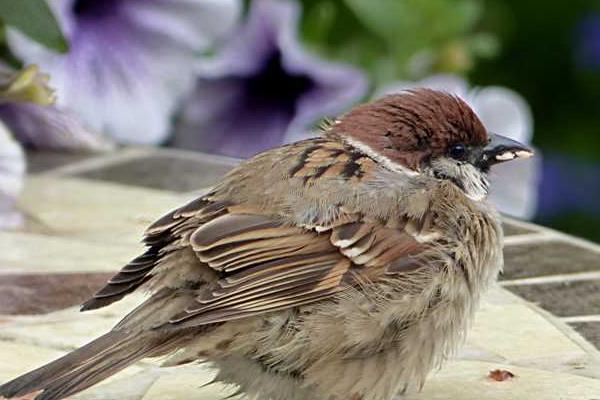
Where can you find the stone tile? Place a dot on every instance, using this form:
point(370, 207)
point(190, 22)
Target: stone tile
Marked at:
point(17, 358)
point(508, 330)
point(93, 210)
point(515, 332)
point(468, 380)
point(39, 293)
point(165, 171)
point(547, 258)
point(123, 388)
point(32, 253)
point(589, 330)
point(464, 380)
point(43, 161)
point(186, 382)
point(511, 228)
point(564, 298)
point(66, 329)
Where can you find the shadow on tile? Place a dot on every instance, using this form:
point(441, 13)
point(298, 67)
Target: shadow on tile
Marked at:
point(39, 294)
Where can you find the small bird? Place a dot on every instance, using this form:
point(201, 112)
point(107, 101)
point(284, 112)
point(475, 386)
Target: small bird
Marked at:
point(345, 266)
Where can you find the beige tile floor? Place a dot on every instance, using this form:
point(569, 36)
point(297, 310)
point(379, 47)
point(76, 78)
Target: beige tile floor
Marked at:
point(79, 225)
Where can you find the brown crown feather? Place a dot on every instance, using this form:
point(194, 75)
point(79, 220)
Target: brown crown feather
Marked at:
point(413, 126)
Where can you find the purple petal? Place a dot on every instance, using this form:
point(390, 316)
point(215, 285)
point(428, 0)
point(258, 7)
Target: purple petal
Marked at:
point(587, 42)
point(49, 127)
point(129, 60)
point(12, 172)
point(263, 88)
point(568, 185)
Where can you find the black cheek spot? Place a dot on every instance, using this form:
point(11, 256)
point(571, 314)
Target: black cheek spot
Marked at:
point(422, 142)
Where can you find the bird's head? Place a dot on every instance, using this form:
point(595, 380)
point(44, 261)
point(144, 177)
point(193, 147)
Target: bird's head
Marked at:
point(429, 132)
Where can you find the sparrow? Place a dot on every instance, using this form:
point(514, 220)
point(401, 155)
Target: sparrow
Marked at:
point(345, 266)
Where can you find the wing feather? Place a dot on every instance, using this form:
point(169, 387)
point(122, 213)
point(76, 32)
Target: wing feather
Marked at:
point(263, 262)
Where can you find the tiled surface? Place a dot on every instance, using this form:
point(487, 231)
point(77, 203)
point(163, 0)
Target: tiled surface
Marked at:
point(547, 258)
point(86, 217)
point(564, 298)
point(94, 211)
point(163, 172)
point(36, 253)
point(513, 228)
point(41, 293)
point(590, 331)
point(43, 161)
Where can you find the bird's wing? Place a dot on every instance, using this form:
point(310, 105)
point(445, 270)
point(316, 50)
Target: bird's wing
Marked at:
point(164, 238)
point(265, 264)
point(253, 262)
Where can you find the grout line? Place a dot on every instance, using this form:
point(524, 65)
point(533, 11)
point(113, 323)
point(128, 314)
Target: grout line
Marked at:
point(581, 318)
point(586, 244)
point(524, 224)
point(198, 156)
point(536, 280)
point(96, 162)
point(528, 238)
point(133, 153)
point(552, 232)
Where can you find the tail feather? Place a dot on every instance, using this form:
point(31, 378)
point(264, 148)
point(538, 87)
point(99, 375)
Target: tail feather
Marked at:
point(43, 376)
point(77, 381)
point(92, 363)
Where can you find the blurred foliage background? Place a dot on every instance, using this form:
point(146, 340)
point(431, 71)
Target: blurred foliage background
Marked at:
point(551, 55)
point(548, 52)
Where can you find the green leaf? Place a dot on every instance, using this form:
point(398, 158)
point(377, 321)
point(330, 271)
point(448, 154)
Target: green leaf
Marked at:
point(416, 23)
point(35, 19)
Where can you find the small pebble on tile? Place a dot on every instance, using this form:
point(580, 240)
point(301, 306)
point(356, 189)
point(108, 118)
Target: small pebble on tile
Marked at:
point(500, 375)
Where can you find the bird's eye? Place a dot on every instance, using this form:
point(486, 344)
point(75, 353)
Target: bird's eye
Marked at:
point(458, 151)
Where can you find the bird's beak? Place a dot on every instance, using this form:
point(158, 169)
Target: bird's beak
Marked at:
point(500, 149)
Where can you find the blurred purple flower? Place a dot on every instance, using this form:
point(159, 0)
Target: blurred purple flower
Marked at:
point(587, 41)
point(50, 127)
point(568, 185)
point(12, 172)
point(514, 188)
point(129, 60)
point(26, 107)
point(263, 88)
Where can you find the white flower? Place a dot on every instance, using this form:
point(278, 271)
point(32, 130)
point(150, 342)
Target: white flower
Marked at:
point(12, 172)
